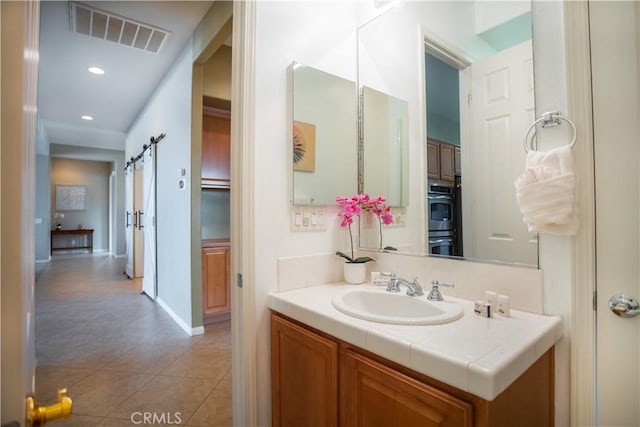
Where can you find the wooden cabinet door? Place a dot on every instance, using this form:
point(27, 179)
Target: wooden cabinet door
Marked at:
point(447, 162)
point(457, 162)
point(216, 298)
point(216, 151)
point(374, 395)
point(433, 159)
point(304, 376)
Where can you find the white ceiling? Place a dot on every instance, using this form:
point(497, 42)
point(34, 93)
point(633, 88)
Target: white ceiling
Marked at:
point(66, 90)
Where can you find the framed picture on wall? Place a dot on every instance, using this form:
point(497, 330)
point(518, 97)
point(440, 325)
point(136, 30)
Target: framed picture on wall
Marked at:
point(71, 197)
point(304, 146)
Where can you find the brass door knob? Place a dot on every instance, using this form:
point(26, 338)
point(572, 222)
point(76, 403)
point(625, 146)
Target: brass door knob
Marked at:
point(39, 415)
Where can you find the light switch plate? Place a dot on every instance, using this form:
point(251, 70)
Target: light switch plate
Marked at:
point(308, 218)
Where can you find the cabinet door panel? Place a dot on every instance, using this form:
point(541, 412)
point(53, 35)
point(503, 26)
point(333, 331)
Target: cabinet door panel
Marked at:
point(304, 383)
point(374, 395)
point(216, 151)
point(457, 161)
point(433, 160)
point(215, 279)
point(447, 162)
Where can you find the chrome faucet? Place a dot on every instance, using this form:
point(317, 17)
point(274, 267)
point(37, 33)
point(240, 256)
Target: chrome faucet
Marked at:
point(413, 288)
point(435, 294)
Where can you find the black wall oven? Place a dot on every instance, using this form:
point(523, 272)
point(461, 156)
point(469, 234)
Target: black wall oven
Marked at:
point(441, 207)
point(441, 243)
point(442, 222)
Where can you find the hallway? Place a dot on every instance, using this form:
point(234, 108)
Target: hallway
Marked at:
point(120, 355)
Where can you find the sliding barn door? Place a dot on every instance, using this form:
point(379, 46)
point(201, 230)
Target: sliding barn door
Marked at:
point(148, 223)
point(128, 230)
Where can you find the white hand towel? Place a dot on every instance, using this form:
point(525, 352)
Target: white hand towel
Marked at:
point(546, 192)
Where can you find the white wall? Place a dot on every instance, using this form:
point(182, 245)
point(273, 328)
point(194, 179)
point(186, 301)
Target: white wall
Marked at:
point(556, 256)
point(43, 208)
point(490, 14)
point(169, 111)
point(321, 35)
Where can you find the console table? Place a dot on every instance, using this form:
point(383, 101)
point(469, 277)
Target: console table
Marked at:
point(88, 241)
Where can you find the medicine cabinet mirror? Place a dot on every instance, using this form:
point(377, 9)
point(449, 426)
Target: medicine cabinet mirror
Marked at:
point(325, 162)
point(385, 122)
point(465, 73)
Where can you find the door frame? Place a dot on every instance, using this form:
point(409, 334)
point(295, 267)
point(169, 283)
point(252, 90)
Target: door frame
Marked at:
point(583, 286)
point(243, 322)
point(244, 378)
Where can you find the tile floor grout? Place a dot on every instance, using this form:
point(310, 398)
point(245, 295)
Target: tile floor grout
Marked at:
point(92, 337)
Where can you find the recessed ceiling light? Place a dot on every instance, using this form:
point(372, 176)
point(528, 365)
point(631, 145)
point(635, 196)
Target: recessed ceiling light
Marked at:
point(96, 70)
point(85, 117)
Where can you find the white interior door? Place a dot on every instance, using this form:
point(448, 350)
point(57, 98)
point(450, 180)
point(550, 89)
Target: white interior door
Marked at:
point(502, 107)
point(616, 114)
point(148, 223)
point(19, 28)
point(128, 230)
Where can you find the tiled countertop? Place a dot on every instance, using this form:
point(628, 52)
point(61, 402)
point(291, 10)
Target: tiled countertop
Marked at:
point(478, 355)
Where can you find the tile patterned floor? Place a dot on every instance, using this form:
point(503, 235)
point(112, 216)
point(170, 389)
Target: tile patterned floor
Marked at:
point(121, 356)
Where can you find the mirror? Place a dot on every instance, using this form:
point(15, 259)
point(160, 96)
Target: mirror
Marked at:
point(385, 122)
point(324, 136)
point(465, 71)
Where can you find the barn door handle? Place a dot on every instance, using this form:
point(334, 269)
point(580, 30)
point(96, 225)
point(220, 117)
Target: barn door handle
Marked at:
point(140, 226)
point(135, 219)
point(624, 306)
point(127, 221)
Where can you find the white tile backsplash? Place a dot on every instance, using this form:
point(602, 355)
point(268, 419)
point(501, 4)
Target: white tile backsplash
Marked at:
point(523, 285)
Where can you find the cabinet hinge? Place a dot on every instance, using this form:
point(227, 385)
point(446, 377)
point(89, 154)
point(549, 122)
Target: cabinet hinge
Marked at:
point(239, 280)
point(595, 300)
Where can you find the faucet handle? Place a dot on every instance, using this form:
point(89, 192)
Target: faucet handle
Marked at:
point(382, 278)
point(435, 283)
point(435, 294)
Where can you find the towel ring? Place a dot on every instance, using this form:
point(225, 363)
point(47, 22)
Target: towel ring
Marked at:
point(549, 119)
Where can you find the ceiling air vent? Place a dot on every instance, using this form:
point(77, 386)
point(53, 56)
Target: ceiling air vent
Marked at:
point(107, 26)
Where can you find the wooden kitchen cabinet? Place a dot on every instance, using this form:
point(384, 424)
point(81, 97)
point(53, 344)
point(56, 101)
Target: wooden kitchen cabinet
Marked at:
point(433, 159)
point(216, 283)
point(372, 391)
point(441, 160)
point(447, 163)
point(304, 376)
point(216, 148)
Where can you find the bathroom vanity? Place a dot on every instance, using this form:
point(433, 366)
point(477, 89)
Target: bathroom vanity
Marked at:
point(329, 368)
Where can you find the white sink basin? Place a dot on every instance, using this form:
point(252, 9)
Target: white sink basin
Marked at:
point(378, 305)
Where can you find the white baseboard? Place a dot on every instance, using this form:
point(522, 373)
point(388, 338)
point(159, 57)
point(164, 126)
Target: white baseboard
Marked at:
point(120, 256)
point(41, 261)
point(199, 330)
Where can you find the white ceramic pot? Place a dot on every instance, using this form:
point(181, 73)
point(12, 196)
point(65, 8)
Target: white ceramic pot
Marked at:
point(355, 273)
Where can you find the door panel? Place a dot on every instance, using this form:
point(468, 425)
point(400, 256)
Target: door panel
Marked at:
point(128, 231)
point(138, 236)
point(615, 75)
point(19, 34)
point(148, 222)
point(502, 108)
